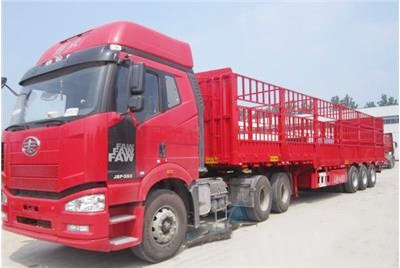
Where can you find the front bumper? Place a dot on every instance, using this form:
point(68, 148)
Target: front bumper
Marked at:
point(102, 244)
point(46, 219)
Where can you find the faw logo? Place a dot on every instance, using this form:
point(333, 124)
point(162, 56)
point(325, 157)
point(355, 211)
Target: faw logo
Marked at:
point(122, 152)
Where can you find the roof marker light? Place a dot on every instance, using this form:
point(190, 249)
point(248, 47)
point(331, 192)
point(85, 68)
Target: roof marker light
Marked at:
point(115, 47)
point(58, 58)
point(48, 62)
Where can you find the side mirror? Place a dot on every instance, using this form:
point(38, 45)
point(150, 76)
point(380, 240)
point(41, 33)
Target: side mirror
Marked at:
point(136, 78)
point(4, 84)
point(395, 144)
point(3, 81)
point(136, 103)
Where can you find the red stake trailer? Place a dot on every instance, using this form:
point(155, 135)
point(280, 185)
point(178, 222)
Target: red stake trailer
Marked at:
point(126, 147)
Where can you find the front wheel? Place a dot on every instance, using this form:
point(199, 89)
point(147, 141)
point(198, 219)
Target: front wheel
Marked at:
point(165, 224)
point(391, 161)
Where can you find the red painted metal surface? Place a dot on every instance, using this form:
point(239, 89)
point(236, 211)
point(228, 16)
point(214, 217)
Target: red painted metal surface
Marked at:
point(249, 122)
point(57, 167)
point(52, 211)
point(127, 34)
point(388, 143)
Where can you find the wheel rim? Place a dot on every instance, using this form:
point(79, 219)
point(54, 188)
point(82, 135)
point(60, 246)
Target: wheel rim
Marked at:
point(164, 225)
point(264, 199)
point(364, 178)
point(355, 180)
point(284, 194)
point(373, 176)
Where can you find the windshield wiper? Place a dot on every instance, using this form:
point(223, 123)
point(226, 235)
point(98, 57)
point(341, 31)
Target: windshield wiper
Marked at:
point(16, 127)
point(50, 122)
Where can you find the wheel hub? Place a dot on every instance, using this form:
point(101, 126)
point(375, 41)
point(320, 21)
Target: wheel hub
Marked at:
point(164, 226)
point(284, 194)
point(365, 178)
point(355, 180)
point(373, 176)
point(264, 199)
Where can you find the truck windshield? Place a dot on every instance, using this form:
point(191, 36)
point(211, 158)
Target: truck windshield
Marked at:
point(62, 95)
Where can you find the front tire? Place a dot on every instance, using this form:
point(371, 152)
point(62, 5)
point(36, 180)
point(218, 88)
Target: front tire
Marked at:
point(351, 186)
point(391, 162)
point(363, 177)
point(165, 225)
point(262, 201)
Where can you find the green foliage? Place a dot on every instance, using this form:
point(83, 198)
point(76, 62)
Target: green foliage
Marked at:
point(335, 99)
point(346, 101)
point(350, 103)
point(370, 104)
point(385, 101)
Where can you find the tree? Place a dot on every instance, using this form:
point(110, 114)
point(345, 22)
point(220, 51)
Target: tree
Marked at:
point(346, 101)
point(370, 104)
point(385, 101)
point(349, 102)
point(335, 99)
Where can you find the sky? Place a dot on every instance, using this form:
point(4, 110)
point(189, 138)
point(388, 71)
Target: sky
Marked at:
point(318, 48)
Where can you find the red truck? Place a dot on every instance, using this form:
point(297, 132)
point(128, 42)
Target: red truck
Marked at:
point(389, 146)
point(116, 143)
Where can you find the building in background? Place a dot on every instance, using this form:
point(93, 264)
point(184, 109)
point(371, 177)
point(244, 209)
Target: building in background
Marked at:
point(390, 116)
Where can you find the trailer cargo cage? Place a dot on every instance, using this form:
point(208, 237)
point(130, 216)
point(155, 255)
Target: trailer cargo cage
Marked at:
point(250, 122)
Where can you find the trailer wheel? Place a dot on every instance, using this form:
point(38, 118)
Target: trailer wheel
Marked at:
point(363, 177)
point(371, 173)
point(262, 201)
point(164, 229)
point(281, 192)
point(351, 186)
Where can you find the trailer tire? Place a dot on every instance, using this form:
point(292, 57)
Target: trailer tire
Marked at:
point(351, 186)
point(262, 201)
point(164, 212)
point(281, 192)
point(363, 177)
point(371, 173)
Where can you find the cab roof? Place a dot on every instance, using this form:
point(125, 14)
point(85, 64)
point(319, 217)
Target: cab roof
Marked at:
point(126, 34)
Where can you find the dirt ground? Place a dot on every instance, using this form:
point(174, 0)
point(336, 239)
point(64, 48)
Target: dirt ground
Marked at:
point(320, 229)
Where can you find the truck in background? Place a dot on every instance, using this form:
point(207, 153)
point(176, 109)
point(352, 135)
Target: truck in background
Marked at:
point(389, 146)
point(116, 143)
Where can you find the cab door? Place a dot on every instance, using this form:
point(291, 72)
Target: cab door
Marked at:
point(167, 127)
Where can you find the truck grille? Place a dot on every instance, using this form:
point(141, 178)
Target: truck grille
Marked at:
point(34, 222)
point(34, 171)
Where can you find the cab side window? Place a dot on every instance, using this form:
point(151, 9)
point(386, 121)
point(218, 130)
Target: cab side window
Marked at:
point(172, 92)
point(151, 96)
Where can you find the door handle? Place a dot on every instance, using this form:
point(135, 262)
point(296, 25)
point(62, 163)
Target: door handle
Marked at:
point(162, 150)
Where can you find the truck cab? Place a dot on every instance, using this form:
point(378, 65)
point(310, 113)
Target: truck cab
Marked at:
point(389, 147)
point(102, 119)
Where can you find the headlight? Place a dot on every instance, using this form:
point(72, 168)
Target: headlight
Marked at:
point(3, 198)
point(88, 203)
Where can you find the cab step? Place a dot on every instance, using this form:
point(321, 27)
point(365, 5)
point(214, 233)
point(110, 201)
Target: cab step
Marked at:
point(117, 241)
point(121, 218)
